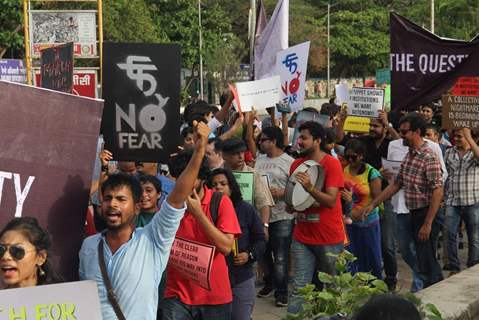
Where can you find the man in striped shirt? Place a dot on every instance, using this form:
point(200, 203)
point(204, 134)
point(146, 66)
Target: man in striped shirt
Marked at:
point(462, 196)
point(420, 177)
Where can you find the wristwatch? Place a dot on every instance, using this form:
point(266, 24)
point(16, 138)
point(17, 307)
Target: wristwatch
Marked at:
point(104, 168)
point(266, 225)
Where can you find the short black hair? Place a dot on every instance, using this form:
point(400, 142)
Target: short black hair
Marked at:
point(388, 307)
point(434, 128)
point(329, 109)
point(329, 135)
point(233, 145)
point(186, 131)
point(153, 180)
point(198, 110)
point(274, 133)
point(180, 161)
point(356, 145)
point(314, 128)
point(236, 196)
point(118, 180)
point(416, 122)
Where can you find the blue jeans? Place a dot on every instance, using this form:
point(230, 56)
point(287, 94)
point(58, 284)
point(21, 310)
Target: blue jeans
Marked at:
point(365, 244)
point(244, 294)
point(408, 248)
point(388, 244)
point(428, 266)
point(470, 215)
point(308, 260)
point(174, 309)
point(276, 257)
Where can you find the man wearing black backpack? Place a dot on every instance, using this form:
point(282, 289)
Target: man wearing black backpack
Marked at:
point(211, 220)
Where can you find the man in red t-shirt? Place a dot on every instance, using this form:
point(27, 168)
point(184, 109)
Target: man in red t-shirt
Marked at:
point(184, 299)
point(319, 229)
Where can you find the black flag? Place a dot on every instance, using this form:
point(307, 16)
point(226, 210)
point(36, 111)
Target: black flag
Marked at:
point(425, 66)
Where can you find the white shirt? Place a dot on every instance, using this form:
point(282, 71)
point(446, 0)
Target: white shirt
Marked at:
point(397, 152)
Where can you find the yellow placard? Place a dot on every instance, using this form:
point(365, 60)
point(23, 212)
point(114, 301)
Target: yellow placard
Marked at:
point(357, 124)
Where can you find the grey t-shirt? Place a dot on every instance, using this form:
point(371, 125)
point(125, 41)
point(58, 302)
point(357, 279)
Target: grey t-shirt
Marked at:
point(277, 170)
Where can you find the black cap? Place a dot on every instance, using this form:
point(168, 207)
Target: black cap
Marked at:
point(233, 145)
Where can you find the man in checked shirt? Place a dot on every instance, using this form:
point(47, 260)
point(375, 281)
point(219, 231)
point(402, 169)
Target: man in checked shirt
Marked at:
point(420, 177)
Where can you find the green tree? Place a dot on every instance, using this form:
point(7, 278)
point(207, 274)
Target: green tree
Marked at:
point(11, 31)
point(359, 41)
point(129, 21)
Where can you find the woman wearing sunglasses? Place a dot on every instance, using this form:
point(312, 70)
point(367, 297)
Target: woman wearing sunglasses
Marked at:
point(250, 246)
point(362, 183)
point(24, 255)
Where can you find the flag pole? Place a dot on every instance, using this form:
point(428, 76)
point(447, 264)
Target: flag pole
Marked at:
point(252, 37)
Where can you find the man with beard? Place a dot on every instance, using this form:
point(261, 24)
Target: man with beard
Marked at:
point(319, 229)
point(420, 177)
point(376, 144)
point(135, 258)
point(275, 163)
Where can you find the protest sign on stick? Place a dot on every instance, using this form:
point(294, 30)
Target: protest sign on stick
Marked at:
point(68, 301)
point(260, 94)
point(365, 102)
point(48, 144)
point(141, 88)
point(56, 71)
point(460, 112)
point(291, 65)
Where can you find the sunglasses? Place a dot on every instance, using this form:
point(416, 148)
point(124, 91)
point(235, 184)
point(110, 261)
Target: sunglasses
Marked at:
point(16, 252)
point(263, 140)
point(404, 131)
point(351, 157)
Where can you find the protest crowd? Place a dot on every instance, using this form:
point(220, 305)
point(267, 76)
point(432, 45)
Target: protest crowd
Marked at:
point(254, 202)
point(363, 207)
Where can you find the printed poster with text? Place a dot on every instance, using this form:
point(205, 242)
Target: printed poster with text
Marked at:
point(291, 66)
point(193, 260)
point(141, 88)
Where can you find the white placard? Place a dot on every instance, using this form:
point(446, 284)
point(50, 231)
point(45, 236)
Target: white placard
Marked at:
point(260, 94)
point(392, 166)
point(71, 300)
point(365, 102)
point(342, 93)
point(292, 65)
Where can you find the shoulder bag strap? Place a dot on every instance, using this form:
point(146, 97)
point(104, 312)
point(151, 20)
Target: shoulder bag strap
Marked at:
point(111, 294)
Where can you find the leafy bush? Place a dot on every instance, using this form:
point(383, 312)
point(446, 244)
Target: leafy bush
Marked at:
point(344, 293)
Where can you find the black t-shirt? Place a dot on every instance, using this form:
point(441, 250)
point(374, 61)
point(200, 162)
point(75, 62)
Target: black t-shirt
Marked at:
point(374, 154)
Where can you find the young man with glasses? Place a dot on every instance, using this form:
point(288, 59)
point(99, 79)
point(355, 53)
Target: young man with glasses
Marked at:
point(275, 164)
point(421, 178)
